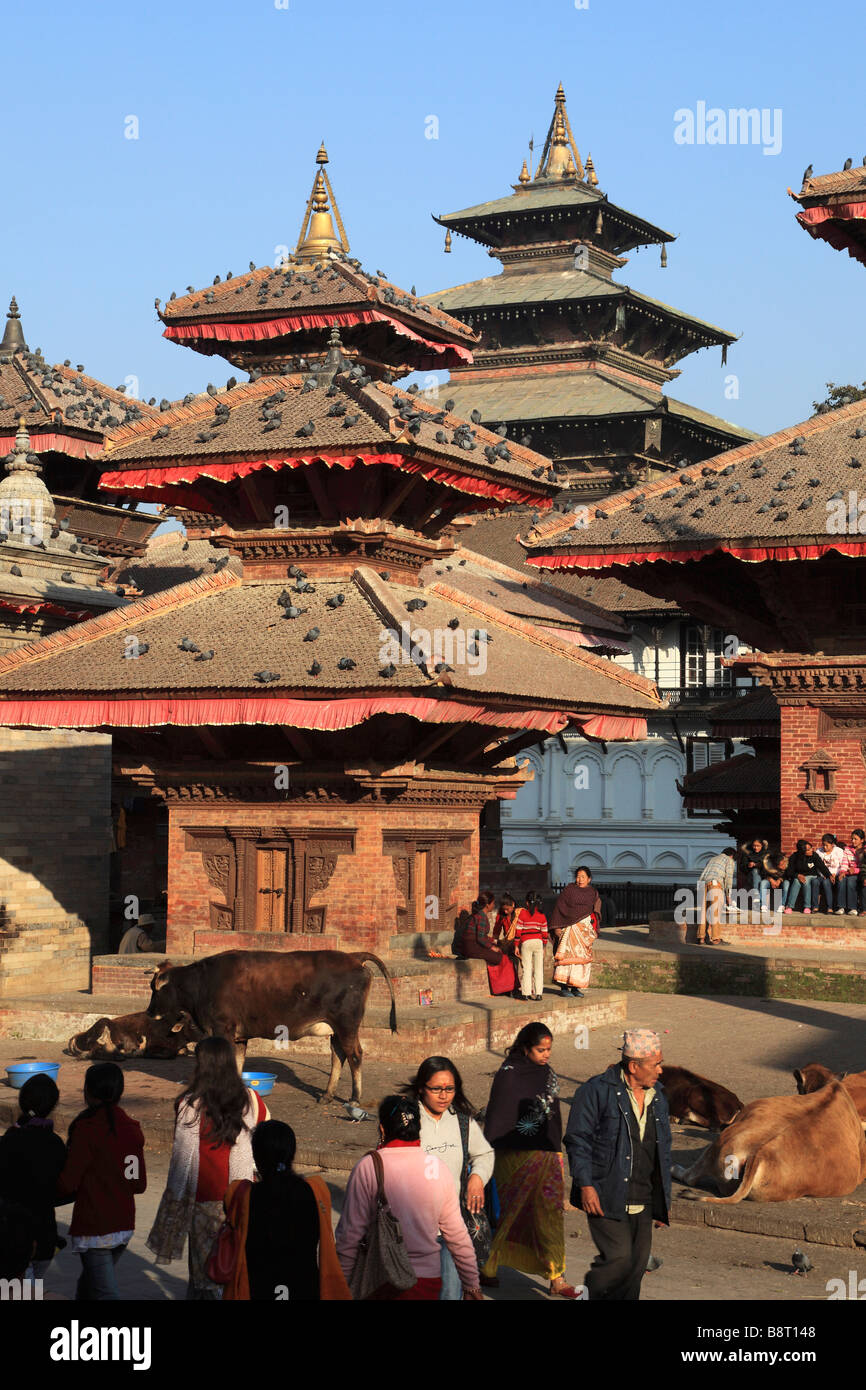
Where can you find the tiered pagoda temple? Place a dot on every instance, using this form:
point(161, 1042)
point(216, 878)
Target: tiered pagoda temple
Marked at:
point(765, 541)
point(569, 356)
point(322, 724)
point(277, 319)
point(68, 417)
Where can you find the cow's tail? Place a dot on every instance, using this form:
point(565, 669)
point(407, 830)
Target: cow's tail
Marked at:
point(747, 1182)
point(368, 955)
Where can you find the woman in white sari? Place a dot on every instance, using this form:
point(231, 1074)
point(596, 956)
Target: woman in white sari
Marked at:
point(575, 921)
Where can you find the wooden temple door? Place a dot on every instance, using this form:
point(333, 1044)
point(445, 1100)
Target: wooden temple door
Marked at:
point(272, 893)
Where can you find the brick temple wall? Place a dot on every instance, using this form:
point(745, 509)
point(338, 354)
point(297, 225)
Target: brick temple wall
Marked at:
point(55, 842)
point(361, 897)
point(801, 737)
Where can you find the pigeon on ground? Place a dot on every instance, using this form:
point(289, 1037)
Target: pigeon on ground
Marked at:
point(802, 1264)
point(415, 603)
point(265, 677)
point(205, 656)
point(312, 634)
point(346, 664)
point(335, 601)
point(188, 645)
point(16, 570)
point(66, 577)
point(388, 671)
point(295, 573)
point(847, 165)
point(355, 1113)
point(293, 612)
point(455, 622)
point(314, 669)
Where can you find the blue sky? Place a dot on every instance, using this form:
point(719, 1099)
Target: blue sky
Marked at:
point(232, 100)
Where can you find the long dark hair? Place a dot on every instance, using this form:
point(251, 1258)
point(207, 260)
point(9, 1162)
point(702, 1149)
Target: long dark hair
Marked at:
point(216, 1090)
point(530, 1036)
point(428, 1068)
point(103, 1082)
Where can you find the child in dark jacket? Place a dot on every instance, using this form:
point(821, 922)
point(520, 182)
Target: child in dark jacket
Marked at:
point(104, 1170)
point(31, 1160)
point(805, 869)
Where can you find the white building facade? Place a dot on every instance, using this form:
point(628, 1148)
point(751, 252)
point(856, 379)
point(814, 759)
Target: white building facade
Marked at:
point(617, 808)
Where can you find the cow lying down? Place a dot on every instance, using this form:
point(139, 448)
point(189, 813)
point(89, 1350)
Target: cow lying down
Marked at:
point(785, 1147)
point(814, 1076)
point(698, 1101)
point(136, 1035)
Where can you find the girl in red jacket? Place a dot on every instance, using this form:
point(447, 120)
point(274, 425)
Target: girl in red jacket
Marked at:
point(104, 1170)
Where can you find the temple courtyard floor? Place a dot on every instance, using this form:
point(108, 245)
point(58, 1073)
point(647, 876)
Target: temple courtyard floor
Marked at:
point(750, 1045)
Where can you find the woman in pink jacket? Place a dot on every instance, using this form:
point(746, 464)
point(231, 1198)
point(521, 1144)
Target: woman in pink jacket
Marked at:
point(422, 1196)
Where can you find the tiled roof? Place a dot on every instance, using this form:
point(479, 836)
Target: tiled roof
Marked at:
point(245, 626)
point(539, 287)
point(740, 782)
point(578, 393)
point(783, 488)
point(844, 181)
point(263, 420)
point(496, 537)
point(757, 709)
point(31, 387)
point(548, 199)
point(267, 293)
point(170, 559)
point(480, 577)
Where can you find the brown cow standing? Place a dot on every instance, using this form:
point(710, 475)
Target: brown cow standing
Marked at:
point(695, 1099)
point(283, 995)
point(784, 1147)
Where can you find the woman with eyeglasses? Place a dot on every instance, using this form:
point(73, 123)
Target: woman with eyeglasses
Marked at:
point(421, 1195)
point(449, 1131)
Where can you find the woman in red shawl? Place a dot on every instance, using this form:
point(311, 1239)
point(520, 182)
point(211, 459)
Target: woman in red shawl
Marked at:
point(574, 921)
point(472, 942)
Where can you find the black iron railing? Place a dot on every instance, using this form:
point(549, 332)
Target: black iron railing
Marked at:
point(634, 901)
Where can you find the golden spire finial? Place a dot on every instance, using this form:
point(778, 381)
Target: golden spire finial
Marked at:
point(317, 235)
point(591, 178)
point(524, 174)
point(560, 158)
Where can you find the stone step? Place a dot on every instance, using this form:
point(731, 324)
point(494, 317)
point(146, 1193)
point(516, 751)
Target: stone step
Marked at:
point(452, 1027)
point(788, 929)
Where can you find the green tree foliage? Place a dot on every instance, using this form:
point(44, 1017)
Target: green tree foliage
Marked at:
point(839, 395)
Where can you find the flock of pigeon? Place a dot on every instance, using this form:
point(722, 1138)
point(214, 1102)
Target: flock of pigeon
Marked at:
point(291, 282)
point(67, 397)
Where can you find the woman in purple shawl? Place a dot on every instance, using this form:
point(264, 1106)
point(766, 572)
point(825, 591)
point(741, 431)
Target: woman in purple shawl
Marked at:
point(577, 904)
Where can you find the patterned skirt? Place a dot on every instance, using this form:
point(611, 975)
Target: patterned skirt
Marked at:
point(531, 1231)
point(207, 1220)
point(573, 958)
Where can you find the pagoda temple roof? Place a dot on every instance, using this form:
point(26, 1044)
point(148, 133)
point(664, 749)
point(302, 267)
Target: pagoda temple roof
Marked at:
point(509, 289)
point(270, 303)
point(833, 209)
point(754, 715)
point(288, 421)
point(497, 538)
point(766, 500)
point(65, 410)
point(81, 678)
point(583, 391)
point(525, 597)
point(545, 199)
point(743, 782)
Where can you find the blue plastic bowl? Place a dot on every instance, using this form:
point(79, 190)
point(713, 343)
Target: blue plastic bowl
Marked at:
point(22, 1071)
point(261, 1081)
